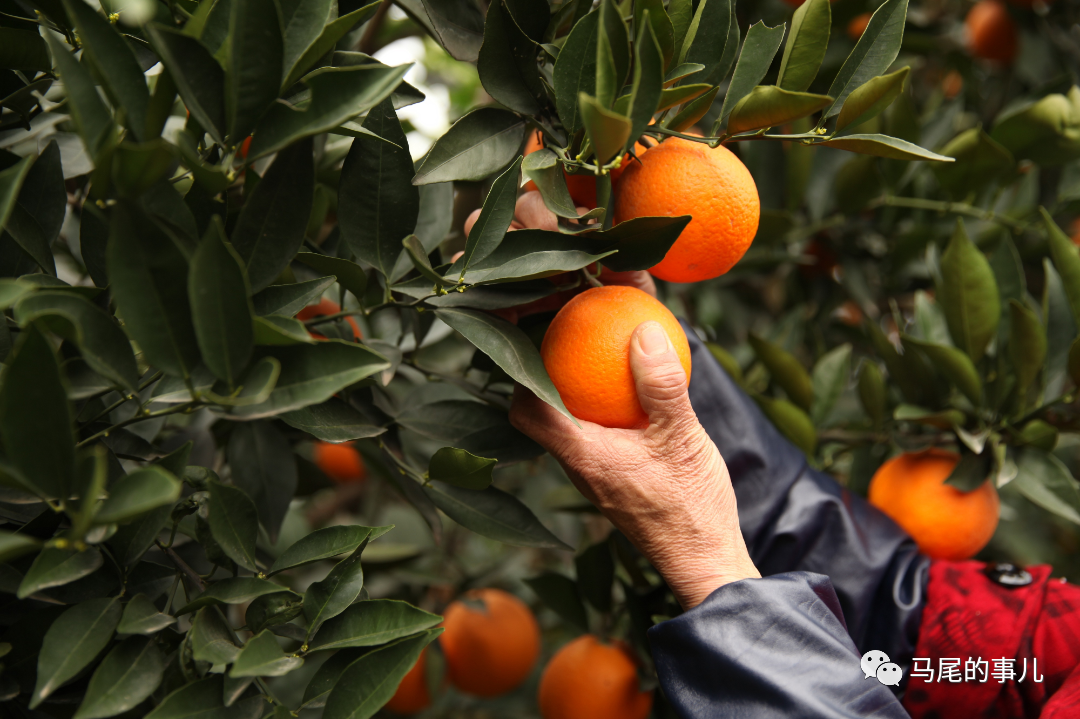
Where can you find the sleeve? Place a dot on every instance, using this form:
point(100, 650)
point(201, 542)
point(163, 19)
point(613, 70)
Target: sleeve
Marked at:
point(767, 648)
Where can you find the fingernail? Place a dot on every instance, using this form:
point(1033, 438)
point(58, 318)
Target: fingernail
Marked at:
point(653, 339)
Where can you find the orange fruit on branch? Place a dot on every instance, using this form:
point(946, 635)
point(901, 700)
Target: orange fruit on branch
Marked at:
point(586, 351)
point(945, 522)
point(582, 186)
point(326, 308)
point(412, 694)
point(683, 177)
point(340, 462)
point(588, 679)
point(991, 32)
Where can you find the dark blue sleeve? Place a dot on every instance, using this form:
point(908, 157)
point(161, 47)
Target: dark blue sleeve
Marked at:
point(775, 647)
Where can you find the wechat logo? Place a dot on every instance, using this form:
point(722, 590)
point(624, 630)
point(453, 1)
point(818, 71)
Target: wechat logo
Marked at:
point(876, 664)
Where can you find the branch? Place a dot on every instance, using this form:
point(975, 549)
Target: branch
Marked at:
point(956, 208)
point(182, 565)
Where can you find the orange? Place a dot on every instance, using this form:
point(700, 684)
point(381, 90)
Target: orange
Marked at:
point(991, 32)
point(587, 679)
point(849, 313)
point(945, 522)
point(242, 153)
point(953, 84)
point(587, 353)
point(340, 462)
point(325, 308)
point(582, 187)
point(1074, 228)
point(857, 26)
point(491, 642)
point(683, 177)
point(412, 694)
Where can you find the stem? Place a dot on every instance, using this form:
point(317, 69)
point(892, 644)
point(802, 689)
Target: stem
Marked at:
point(956, 208)
point(182, 565)
point(367, 41)
point(323, 319)
point(140, 418)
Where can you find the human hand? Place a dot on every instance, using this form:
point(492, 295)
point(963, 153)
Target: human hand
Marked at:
point(666, 487)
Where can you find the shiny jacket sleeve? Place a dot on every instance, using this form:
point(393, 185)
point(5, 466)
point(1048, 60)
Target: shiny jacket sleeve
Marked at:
point(775, 647)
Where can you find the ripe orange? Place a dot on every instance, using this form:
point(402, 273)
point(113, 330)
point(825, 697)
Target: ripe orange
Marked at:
point(953, 84)
point(587, 353)
point(340, 462)
point(945, 522)
point(587, 679)
point(991, 32)
point(412, 694)
point(683, 177)
point(325, 308)
point(857, 26)
point(582, 187)
point(242, 153)
point(1074, 228)
point(491, 642)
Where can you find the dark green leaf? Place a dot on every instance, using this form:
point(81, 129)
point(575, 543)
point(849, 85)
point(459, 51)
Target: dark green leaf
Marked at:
point(254, 65)
point(271, 610)
point(707, 38)
point(234, 522)
point(11, 181)
point(139, 166)
point(980, 161)
point(494, 514)
point(129, 674)
point(757, 55)
point(420, 260)
point(480, 143)
point(608, 131)
point(212, 639)
point(373, 622)
point(142, 617)
point(971, 471)
point(662, 28)
point(1047, 482)
point(1044, 132)
point(507, 61)
point(873, 53)
point(1067, 262)
point(530, 254)
point(132, 540)
point(327, 676)
point(829, 378)
point(689, 115)
point(457, 25)
point(287, 300)
point(872, 393)
point(955, 365)
point(13, 546)
point(792, 422)
point(323, 43)
point(884, 146)
point(349, 275)
point(968, 295)
point(321, 544)
point(945, 419)
point(786, 371)
point(494, 220)
point(302, 22)
point(612, 54)
point(871, 98)
point(202, 699)
point(72, 642)
point(575, 71)
point(235, 590)
point(35, 220)
point(88, 110)
point(264, 467)
point(326, 599)
point(461, 469)
point(672, 96)
point(262, 657)
point(560, 594)
point(769, 106)
point(544, 169)
point(596, 574)
point(805, 48)
point(136, 494)
point(198, 76)
point(332, 421)
point(23, 50)
point(55, 567)
point(1027, 345)
point(648, 78)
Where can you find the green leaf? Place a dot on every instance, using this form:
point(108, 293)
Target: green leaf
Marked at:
point(968, 295)
point(378, 204)
point(1060, 330)
point(270, 229)
point(786, 371)
point(1046, 132)
point(575, 71)
point(971, 471)
point(655, 15)
point(955, 365)
point(72, 642)
point(220, 306)
point(212, 178)
point(461, 469)
point(494, 220)
point(494, 514)
point(312, 374)
point(321, 544)
point(373, 622)
point(681, 13)
point(35, 417)
point(326, 599)
point(980, 161)
point(792, 422)
point(271, 610)
point(14, 545)
point(806, 45)
point(116, 64)
point(276, 330)
point(327, 676)
point(337, 94)
point(480, 143)
point(871, 98)
point(129, 674)
point(508, 347)
point(148, 276)
point(534, 254)
point(253, 66)
point(1038, 434)
point(769, 106)
point(12, 290)
point(507, 65)
point(884, 146)
point(202, 699)
point(873, 53)
point(945, 419)
point(198, 76)
point(1027, 345)
point(262, 657)
point(828, 379)
point(287, 300)
point(648, 77)
point(457, 25)
point(88, 110)
point(39, 212)
point(212, 639)
point(471, 425)
point(11, 181)
point(302, 22)
point(672, 96)
point(707, 40)
point(235, 590)
point(1047, 482)
point(544, 169)
point(369, 682)
point(264, 467)
point(332, 421)
point(136, 167)
point(596, 574)
point(608, 131)
point(132, 540)
point(349, 275)
point(23, 50)
point(757, 55)
point(54, 567)
point(323, 43)
point(142, 617)
point(419, 259)
point(234, 524)
point(873, 393)
point(137, 493)
point(1066, 261)
point(560, 594)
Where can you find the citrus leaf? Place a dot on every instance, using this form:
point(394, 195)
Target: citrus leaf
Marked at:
point(648, 78)
point(1047, 482)
point(607, 131)
point(234, 524)
point(234, 590)
point(262, 657)
point(287, 300)
point(707, 40)
point(198, 76)
point(884, 146)
point(323, 42)
point(264, 467)
point(332, 421)
point(461, 469)
point(968, 295)
point(494, 219)
point(1027, 345)
point(479, 144)
point(494, 514)
point(828, 379)
point(321, 544)
point(506, 64)
point(1066, 260)
point(14, 545)
point(873, 53)
point(560, 594)
point(757, 55)
point(871, 98)
point(88, 110)
point(806, 45)
point(612, 54)
point(72, 642)
point(792, 422)
point(786, 371)
point(326, 599)
point(575, 71)
point(373, 622)
point(129, 674)
point(955, 365)
point(137, 493)
point(212, 639)
point(769, 106)
point(142, 617)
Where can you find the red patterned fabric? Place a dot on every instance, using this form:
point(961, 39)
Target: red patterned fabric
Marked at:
point(969, 617)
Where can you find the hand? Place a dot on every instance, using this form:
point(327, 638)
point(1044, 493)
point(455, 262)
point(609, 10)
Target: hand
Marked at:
point(666, 487)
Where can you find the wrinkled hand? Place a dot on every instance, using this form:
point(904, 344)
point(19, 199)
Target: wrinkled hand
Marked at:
point(666, 487)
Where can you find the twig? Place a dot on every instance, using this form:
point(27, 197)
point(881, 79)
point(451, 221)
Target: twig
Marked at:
point(956, 208)
point(185, 407)
point(367, 41)
point(182, 565)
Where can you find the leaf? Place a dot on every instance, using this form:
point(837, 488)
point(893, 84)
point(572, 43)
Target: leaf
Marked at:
point(546, 254)
point(980, 161)
point(655, 14)
point(327, 676)
point(883, 146)
point(271, 610)
point(378, 204)
point(1044, 132)
point(945, 419)
point(792, 422)
point(560, 594)
point(1044, 480)
point(201, 699)
point(88, 110)
point(234, 523)
point(23, 50)
point(321, 544)
point(707, 39)
point(276, 330)
point(332, 421)
point(129, 674)
point(596, 574)
point(457, 25)
point(828, 379)
point(212, 639)
point(326, 599)
point(873, 53)
point(873, 393)
point(508, 347)
point(325, 41)
point(338, 94)
point(137, 493)
point(806, 45)
point(148, 277)
point(198, 76)
point(506, 63)
point(971, 471)
point(287, 300)
point(1066, 261)
point(262, 657)
point(769, 106)
point(253, 67)
point(13, 545)
point(35, 417)
point(373, 622)
point(264, 467)
point(545, 171)
point(302, 22)
point(270, 229)
point(349, 275)
point(461, 469)
point(369, 682)
point(1027, 345)
point(36, 218)
point(612, 54)
point(494, 220)
point(871, 98)
point(968, 295)
point(757, 55)
point(312, 374)
point(672, 96)
point(419, 259)
point(575, 71)
point(608, 131)
point(494, 514)
point(235, 590)
point(786, 371)
point(479, 144)
point(72, 642)
point(55, 567)
point(955, 365)
point(648, 77)
point(142, 617)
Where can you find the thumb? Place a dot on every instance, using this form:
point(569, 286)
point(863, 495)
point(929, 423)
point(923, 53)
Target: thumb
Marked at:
point(660, 378)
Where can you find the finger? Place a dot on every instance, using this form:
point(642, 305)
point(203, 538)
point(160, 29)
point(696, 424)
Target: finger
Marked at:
point(640, 279)
point(660, 378)
point(471, 220)
point(532, 212)
point(543, 423)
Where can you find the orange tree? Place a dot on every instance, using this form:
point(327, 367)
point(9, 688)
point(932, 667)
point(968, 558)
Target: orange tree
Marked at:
point(179, 180)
